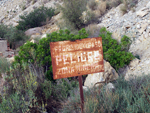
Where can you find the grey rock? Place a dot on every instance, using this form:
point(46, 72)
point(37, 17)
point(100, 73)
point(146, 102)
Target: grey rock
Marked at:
point(109, 88)
point(85, 88)
point(108, 75)
point(148, 5)
point(33, 31)
point(134, 63)
point(138, 26)
point(141, 13)
point(143, 27)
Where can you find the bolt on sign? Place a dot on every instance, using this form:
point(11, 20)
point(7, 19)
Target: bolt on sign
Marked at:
point(75, 58)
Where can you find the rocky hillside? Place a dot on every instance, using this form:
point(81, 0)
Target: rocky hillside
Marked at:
point(135, 24)
point(29, 87)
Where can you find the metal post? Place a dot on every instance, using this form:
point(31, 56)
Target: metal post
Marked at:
point(81, 93)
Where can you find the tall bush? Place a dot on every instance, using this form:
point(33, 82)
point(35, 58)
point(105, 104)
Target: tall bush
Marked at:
point(72, 11)
point(116, 53)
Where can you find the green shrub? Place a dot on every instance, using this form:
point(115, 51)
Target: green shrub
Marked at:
point(114, 52)
point(35, 18)
point(43, 50)
point(33, 53)
point(27, 53)
point(125, 43)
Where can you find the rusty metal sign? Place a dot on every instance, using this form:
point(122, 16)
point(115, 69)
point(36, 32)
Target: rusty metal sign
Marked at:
point(75, 58)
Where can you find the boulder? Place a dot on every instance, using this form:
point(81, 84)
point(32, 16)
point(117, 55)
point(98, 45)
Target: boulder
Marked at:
point(32, 31)
point(143, 27)
point(108, 75)
point(85, 88)
point(148, 5)
point(109, 88)
point(44, 36)
point(142, 13)
point(134, 63)
point(117, 34)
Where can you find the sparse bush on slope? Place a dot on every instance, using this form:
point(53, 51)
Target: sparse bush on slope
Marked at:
point(72, 11)
point(35, 18)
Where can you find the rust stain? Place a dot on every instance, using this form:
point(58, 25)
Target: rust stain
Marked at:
point(75, 58)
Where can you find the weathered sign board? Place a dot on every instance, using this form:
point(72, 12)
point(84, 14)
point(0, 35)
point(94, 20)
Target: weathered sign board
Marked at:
point(75, 58)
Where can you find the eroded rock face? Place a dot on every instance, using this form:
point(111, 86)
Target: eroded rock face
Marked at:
point(108, 75)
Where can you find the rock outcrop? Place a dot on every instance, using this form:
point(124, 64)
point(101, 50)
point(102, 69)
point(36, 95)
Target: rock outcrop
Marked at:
point(108, 75)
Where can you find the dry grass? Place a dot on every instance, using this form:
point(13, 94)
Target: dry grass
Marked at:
point(97, 7)
point(92, 4)
point(128, 5)
point(93, 30)
point(102, 7)
point(123, 9)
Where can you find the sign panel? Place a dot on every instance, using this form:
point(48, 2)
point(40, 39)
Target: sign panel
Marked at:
point(75, 58)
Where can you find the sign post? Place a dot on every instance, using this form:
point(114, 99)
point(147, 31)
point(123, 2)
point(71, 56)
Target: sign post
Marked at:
point(81, 93)
point(76, 58)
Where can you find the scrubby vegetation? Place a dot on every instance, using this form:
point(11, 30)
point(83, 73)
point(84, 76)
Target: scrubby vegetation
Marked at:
point(72, 12)
point(81, 13)
point(131, 96)
point(29, 86)
point(27, 90)
point(26, 79)
point(35, 18)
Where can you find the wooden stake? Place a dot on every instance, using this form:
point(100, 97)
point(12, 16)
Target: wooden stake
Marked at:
point(81, 93)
